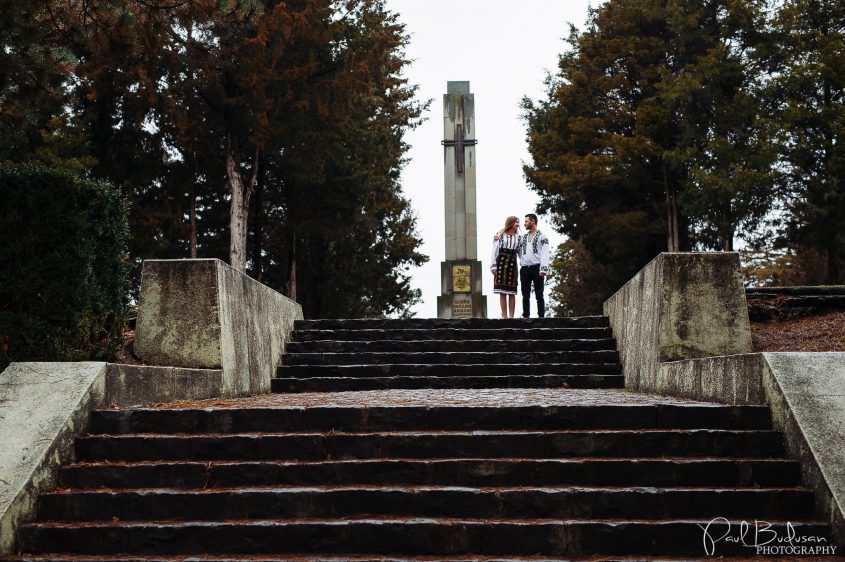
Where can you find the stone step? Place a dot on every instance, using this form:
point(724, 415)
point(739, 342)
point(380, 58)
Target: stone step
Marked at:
point(425, 501)
point(695, 471)
point(415, 536)
point(364, 558)
point(449, 358)
point(357, 419)
point(360, 558)
point(459, 334)
point(342, 384)
point(446, 370)
point(422, 444)
point(439, 346)
point(431, 323)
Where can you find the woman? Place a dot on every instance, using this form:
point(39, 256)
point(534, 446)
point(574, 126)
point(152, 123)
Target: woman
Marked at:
point(504, 266)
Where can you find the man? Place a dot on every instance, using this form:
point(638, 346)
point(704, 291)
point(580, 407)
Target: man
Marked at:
point(534, 257)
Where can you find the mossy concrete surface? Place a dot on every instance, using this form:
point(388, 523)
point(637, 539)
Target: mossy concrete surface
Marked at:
point(43, 406)
point(806, 393)
point(138, 385)
point(204, 314)
point(729, 379)
point(679, 306)
point(209, 330)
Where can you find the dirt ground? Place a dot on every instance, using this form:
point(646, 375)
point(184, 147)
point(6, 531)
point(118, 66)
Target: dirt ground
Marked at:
point(822, 332)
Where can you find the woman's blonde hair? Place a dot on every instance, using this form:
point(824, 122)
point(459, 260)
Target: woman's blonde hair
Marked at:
point(509, 222)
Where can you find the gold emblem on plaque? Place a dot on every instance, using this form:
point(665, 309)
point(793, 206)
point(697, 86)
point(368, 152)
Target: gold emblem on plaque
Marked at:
point(461, 279)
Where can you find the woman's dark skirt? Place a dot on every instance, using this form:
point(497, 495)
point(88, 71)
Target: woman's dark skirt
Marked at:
point(506, 278)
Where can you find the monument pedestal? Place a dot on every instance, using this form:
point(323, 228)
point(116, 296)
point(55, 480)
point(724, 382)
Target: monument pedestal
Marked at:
point(461, 290)
point(461, 273)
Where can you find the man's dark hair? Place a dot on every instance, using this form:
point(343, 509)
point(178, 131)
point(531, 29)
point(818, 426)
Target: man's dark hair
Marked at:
point(532, 216)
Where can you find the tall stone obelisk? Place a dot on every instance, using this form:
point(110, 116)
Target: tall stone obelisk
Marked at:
point(461, 273)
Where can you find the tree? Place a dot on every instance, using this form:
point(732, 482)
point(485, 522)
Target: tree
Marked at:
point(267, 133)
point(341, 236)
point(809, 85)
point(651, 137)
point(35, 67)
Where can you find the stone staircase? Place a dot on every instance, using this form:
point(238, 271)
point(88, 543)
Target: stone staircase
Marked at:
point(338, 355)
point(445, 462)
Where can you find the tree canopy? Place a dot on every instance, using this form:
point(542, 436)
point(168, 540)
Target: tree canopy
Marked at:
point(266, 133)
point(674, 125)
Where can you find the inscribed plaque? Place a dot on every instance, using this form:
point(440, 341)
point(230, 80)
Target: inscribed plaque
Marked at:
point(461, 306)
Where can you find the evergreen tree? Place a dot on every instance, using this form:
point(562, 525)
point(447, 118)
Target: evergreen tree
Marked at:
point(340, 235)
point(809, 87)
point(651, 137)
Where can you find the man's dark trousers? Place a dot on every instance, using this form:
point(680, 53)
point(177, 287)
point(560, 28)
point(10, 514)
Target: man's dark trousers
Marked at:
point(529, 274)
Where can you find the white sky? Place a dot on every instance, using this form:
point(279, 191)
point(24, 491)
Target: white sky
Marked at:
point(503, 49)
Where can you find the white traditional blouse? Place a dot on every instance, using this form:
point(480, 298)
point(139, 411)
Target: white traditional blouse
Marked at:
point(506, 241)
point(534, 249)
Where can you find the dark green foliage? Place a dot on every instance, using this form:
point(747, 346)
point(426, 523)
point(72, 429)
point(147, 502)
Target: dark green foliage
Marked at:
point(653, 138)
point(334, 194)
point(809, 95)
point(63, 266)
point(578, 281)
point(315, 100)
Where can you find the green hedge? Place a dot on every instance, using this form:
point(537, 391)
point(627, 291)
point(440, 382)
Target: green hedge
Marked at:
point(63, 266)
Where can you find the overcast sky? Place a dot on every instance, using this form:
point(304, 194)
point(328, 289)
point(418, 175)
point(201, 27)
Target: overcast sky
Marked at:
point(504, 49)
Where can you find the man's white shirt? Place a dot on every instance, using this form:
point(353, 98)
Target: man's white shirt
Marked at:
point(534, 249)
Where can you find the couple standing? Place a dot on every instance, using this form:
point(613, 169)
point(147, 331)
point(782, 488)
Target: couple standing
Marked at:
point(531, 251)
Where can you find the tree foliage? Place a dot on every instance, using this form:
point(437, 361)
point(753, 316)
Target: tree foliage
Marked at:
point(63, 270)
point(265, 133)
point(661, 131)
point(809, 92)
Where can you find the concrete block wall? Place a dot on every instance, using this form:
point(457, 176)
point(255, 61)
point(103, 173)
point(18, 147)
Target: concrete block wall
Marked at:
point(207, 331)
point(683, 330)
point(205, 314)
point(679, 306)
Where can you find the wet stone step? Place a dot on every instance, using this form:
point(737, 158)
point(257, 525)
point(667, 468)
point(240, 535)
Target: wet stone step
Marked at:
point(364, 558)
point(451, 358)
point(358, 419)
point(445, 370)
point(341, 384)
point(455, 472)
point(337, 445)
point(416, 536)
point(355, 557)
point(475, 345)
point(431, 323)
point(460, 334)
point(510, 503)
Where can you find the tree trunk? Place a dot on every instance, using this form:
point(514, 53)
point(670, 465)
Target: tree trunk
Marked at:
point(673, 233)
point(193, 218)
point(192, 208)
point(257, 227)
point(291, 285)
point(239, 209)
point(832, 274)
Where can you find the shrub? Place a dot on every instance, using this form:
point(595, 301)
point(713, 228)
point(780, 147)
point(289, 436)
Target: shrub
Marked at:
point(63, 266)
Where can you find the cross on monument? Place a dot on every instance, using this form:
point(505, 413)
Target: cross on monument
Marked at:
point(459, 143)
point(461, 273)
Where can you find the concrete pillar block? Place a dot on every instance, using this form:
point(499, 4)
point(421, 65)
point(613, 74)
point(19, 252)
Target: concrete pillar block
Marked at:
point(679, 306)
point(205, 314)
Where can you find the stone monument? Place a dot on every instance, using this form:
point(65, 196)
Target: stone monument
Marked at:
point(461, 273)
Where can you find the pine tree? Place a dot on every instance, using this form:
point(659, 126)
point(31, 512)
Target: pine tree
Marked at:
point(651, 138)
point(809, 87)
